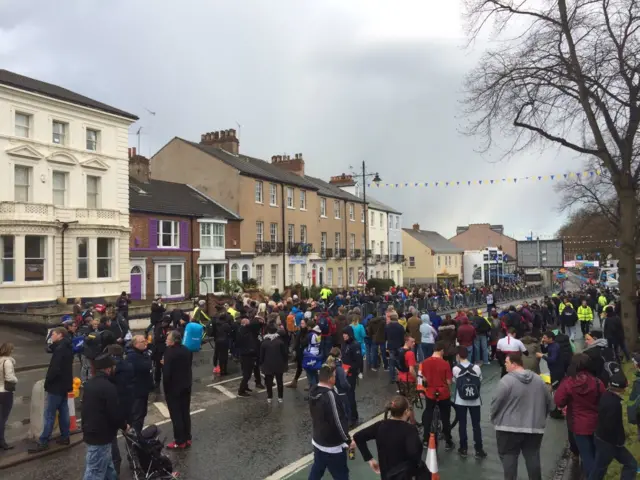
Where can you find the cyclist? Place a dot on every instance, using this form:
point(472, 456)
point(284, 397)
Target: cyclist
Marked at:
point(438, 377)
point(407, 374)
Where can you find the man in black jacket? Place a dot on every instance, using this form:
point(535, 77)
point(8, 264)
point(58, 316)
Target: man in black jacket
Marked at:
point(610, 435)
point(329, 421)
point(140, 360)
point(57, 384)
point(177, 381)
point(614, 333)
point(351, 354)
point(101, 419)
point(598, 351)
point(222, 333)
point(124, 381)
point(248, 348)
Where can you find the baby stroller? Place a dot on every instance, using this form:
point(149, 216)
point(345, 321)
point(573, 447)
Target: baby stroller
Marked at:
point(146, 459)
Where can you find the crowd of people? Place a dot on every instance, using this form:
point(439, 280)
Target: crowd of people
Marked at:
point(330, 339)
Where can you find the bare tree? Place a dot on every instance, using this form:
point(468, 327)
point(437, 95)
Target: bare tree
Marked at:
point(570, 77)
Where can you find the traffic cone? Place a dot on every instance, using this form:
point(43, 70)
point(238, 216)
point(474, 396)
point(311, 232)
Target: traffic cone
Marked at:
point(71, 402)
point(432, 458)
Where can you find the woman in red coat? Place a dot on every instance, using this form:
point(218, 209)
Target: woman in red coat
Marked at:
point(580, 392)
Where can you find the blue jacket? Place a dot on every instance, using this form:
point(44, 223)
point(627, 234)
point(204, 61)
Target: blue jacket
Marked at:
point(193, 336)
point(125, 382)
point(436, 320)
point(140, 363)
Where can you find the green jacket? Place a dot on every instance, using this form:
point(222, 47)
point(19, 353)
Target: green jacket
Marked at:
point(585, 314)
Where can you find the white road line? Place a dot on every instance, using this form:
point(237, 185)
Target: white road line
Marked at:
point(225, 391)
point(162, 408)
point(301, 463)
point(200, 410)
point(227, 380)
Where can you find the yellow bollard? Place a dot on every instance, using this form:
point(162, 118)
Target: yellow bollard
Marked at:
point(76, 387)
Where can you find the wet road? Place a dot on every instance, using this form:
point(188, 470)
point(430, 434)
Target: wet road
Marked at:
point(245, 438)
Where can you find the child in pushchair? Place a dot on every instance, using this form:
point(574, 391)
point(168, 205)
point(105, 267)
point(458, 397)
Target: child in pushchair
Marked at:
point(146, 459)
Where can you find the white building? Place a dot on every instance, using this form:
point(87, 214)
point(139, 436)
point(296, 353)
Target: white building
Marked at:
point(384, 233)
point(64, 201)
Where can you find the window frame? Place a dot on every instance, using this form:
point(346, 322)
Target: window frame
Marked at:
point(259, 231)
point(352, 242)
point(412, 262)
point(337, 241)
point(260, 275)
point(65, 177)
point(273, 232)
point(291, 274)
point(110, 258)
point(323, 242)
point(381, 220)
point(215, 278)
point(352, 212)
point(62, 136)
point(303, 234)
point(4, 260)
point(259, 192)
point(88, 142)
point(29, 185)
point(330, 276)
point(28, 126)
point(303, 200)
point(290, 196)
point(174, 234)
point(336, 209)
point(323, 207)
point(168, 279)
point(43, 257)
point(291, 234)
point(273, 195)
point(98, 193)
point(214, 237)
point(273, 274)
point(82, 260)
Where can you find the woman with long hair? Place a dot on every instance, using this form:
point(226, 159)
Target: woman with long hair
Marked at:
point(580, 392)
point(7, 378)
point(397, 441)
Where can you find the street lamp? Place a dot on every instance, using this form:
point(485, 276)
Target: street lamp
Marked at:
point(376, 179)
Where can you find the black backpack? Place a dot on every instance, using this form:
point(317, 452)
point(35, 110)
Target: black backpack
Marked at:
point(468, 383)
point(566, 352)
point(401, 363)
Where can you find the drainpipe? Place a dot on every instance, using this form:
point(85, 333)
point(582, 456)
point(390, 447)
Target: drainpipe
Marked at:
point(192, 258)
point(388, 248)
point(65, 226)
point(284, 245)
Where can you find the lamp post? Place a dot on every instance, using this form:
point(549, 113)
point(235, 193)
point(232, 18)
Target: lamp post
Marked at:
point(376, 179)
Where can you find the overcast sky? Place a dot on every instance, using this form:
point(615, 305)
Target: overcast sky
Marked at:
point(339, 81)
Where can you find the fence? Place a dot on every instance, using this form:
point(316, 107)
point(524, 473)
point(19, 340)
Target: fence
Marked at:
point(454, 301)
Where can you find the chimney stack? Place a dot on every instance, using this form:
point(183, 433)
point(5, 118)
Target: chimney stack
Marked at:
point(224, 139)
point(342, 180)
point(293, 165)
point(139, 166)
point(416, 227)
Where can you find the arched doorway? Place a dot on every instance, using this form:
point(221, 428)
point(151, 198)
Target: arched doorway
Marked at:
point(135, 284)
point(321, 276)
point(245, 273)
point(234, 271)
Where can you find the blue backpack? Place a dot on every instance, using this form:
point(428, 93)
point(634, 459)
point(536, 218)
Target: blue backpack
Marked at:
point(323, 323)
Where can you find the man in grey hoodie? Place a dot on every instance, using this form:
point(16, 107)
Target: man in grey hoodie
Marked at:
point(519, 413)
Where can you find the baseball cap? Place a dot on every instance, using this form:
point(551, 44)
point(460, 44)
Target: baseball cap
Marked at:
point(103, 361)
point(618, 380)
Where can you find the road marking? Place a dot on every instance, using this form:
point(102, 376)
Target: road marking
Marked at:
point(225, 391)
point(301, 463)
point(227, 380)
point(200, 410)
point(162, 408)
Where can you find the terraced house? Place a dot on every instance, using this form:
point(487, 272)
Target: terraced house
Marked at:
point(64, 201)
point(280, 235)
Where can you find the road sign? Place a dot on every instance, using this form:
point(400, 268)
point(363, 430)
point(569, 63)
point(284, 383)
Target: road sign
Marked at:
point(540, 254)
point(361, 279)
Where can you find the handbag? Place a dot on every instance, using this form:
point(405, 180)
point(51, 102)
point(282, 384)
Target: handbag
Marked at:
point(9, 386)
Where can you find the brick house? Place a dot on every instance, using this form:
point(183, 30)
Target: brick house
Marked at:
point(479, 236)
point(180, 239)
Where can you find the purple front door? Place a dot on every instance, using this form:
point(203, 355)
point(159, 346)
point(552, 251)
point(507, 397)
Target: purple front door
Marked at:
point(136, 283)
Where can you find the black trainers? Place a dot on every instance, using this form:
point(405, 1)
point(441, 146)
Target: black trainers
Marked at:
point(449, 446)
point(259, 386)
point(244, 394)
point(63, 441)
point(39, 447)
point(481, 454)
point(462, 452)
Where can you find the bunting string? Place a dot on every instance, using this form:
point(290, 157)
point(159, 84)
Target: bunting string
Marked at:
point(468, 183)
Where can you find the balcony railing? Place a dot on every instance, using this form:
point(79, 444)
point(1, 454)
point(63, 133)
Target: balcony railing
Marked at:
point(42, 212)
point(377, 258)
point(355, 253)
point(342, 253)
point(385, 259)
point(399, 258)
point(300, 248)
point(368, 253)
point(326, 252)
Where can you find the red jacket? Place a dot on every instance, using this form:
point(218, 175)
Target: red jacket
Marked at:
point(466, 333)
point(581, 396)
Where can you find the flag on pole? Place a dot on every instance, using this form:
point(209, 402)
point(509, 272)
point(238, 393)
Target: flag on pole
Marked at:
point(432, 458)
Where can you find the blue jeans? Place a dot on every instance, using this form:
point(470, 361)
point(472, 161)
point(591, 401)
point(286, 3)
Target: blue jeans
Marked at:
point(336, 463)
point(587, 449)
point(426, 350)
point(571, 331)
point(325, 346)
point(378, 349)
point(480, 347)
point(474, 412)
point(312, 377)
point(605, 453)
point(53, 404)
point(470, 355)
point(98, 463)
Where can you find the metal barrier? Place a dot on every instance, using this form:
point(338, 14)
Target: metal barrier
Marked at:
point(454, 301)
